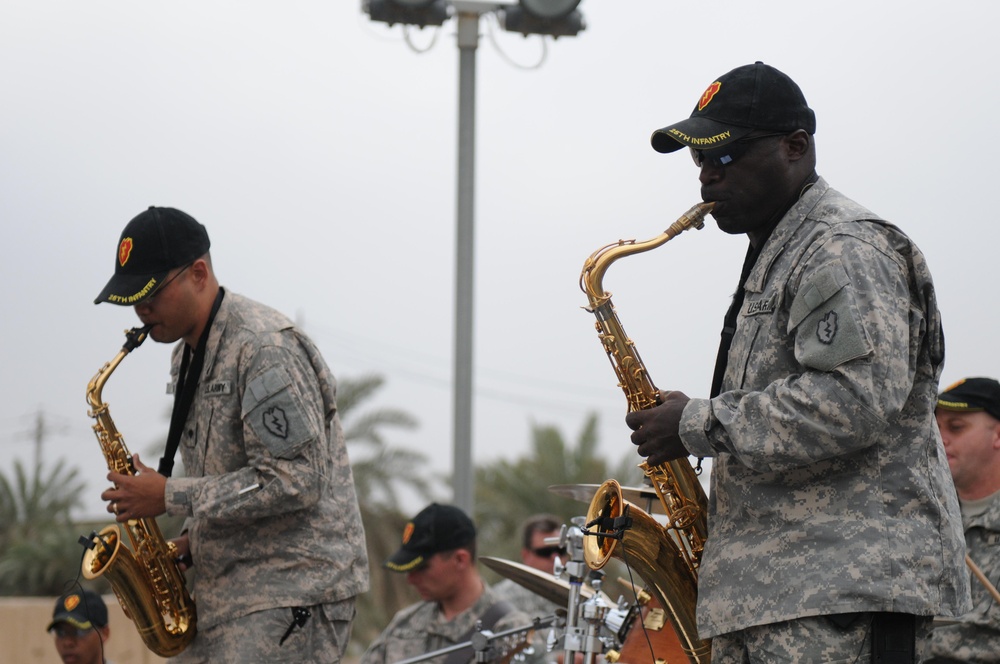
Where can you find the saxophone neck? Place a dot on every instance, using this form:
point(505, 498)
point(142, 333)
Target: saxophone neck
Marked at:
point(592, 276)
point(133, 339)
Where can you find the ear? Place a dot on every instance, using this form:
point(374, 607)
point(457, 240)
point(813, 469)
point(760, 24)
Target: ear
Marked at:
point(799, 144)
point(200, 272)
point(463, 557)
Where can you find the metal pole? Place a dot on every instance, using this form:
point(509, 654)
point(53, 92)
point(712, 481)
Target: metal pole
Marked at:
point(468, 41)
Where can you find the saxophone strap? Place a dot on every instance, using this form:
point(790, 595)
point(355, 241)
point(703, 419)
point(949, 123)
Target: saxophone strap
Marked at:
point(729, 324)
point(187, 387)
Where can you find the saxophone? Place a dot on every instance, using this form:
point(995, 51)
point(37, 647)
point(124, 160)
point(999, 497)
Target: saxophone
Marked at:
point(145, 579)
point(667, 556)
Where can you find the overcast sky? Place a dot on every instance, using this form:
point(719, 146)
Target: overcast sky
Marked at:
point(319, 149)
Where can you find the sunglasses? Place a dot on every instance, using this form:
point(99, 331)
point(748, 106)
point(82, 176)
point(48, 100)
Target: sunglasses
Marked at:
point(726, 155)
point(549, 551)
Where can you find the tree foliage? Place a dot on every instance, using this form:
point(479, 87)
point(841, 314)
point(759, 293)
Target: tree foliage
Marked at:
point(38, 543)
point(509, 491)
point(385, 477)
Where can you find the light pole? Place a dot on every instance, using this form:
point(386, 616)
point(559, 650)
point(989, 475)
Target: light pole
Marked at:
point(544, 17)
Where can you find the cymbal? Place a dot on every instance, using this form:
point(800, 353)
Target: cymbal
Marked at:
point(645, 497)
point(545, 585)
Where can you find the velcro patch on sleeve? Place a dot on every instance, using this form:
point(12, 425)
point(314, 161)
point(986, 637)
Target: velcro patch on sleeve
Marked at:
point(826, 320)
point(273, 410)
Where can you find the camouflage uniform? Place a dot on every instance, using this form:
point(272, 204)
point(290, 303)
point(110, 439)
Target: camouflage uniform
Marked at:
point(273, 519)
point(977, 637)
point(830, 488)
point(421, 628)
point(534, 606)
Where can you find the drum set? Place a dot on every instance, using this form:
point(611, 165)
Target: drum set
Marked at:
point(592, 628)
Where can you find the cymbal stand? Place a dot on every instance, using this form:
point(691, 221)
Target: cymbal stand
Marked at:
point(579, 636)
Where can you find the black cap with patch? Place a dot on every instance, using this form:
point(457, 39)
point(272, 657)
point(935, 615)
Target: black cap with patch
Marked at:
point(82, 610)
point(436, 528)
point(153, 243)
point(971, 395)
point(750, 97)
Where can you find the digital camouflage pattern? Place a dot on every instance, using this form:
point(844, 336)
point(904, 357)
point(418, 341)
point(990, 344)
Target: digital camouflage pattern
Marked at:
point(830, 489)
point(534, 606)
point(268, 491)
point(257, 637)
point(976, 638)
point(421, 628)
point(813, 640)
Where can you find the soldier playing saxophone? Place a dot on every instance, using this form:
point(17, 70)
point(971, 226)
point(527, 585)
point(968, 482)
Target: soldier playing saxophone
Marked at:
point(272, 521)
point(833, 531)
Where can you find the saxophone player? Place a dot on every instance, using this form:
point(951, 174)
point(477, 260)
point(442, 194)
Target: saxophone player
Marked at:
point(272, 522)
point(834, 534)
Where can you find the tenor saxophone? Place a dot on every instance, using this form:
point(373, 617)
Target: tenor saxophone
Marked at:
point(146, 580)
point(667, 557)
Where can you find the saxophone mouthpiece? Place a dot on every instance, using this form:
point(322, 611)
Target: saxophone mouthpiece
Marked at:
point(135, 337)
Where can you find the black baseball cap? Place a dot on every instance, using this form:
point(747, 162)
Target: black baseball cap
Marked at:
point(81, 609)
point(971, 395)
point(436, 528)
point(153, 243)
point(750, 97)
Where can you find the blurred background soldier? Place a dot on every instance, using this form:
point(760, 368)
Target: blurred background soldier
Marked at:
point(968, 414)
point(80, 627)
point(438, 556)
point(535, 553)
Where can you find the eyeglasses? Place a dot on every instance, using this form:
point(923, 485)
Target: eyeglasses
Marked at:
point(65, 631)
point(549, 551)
point(727, 154)
point(165, 284)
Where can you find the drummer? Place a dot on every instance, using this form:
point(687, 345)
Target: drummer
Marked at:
point(438, 556)
point(539, 555)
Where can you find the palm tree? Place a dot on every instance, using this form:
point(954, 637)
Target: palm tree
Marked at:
point(507, 492)
point(382, 474)
point(39, 541)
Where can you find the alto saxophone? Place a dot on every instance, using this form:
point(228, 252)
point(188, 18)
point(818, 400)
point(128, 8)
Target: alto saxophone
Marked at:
point(666, 557)
point(146, 580)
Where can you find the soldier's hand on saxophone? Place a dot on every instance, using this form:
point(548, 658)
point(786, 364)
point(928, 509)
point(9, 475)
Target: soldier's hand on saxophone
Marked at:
point(136, 496)
point(656, 430)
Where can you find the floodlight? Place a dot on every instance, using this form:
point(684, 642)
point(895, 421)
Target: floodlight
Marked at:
point(409, 12)
point(559, 18)
point(550, 8)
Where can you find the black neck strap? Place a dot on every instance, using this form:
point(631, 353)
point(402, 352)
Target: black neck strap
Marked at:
point(729, 324)
point(187, 387)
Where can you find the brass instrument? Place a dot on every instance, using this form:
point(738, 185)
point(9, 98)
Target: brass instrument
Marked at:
point(146, 580)
point(666, 557)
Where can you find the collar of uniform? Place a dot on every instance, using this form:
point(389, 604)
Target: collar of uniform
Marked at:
point(782, 233)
